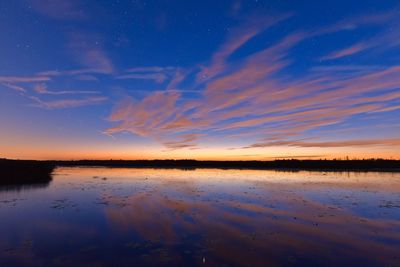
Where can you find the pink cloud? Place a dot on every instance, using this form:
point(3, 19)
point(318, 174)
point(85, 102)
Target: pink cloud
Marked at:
point(23, 79)
point(151, 69)
point(237, 38)
point(157, 77)
point(347, 143)
point(250, 97)
point(88, 51)
point(147, 117)
point(59, 9)
point(356, 22)
point(156, 73)
point(86, 77)
point(14, 87)
point(354, 49)
point(42, 89)
point(182, 141)
point(67, 103)
point(178, 77)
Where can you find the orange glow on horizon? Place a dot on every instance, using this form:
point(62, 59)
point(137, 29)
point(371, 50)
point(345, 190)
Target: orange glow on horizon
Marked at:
point(198, 154)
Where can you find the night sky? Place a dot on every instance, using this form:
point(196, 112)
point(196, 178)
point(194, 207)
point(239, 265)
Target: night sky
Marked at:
point(199, 79)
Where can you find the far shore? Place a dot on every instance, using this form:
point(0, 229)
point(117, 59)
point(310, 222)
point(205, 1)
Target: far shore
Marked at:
point(33, 171)
point(289, 164)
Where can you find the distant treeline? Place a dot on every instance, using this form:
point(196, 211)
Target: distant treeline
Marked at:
point(293, 164)
point(30, 172)
point(14, 172)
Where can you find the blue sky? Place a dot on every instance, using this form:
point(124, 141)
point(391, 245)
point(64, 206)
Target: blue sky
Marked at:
point(199, 79)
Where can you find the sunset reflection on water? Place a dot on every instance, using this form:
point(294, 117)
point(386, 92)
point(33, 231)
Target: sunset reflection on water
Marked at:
point(205, 217)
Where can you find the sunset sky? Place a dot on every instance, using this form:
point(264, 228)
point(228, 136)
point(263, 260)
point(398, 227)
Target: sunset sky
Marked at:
point(214, 79)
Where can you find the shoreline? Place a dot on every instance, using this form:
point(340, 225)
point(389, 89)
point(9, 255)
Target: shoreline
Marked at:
point(282, 165)
point(14, 172)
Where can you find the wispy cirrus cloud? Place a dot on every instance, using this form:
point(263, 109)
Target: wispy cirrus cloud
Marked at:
point(346, 68)
point(59, 9)
point(42, 89)
point(252, 96)
point(385, 39)
point(88, 51)
point(86, 77)
point(354, 49)
point(157, 77)
point(151, 69)
point(23, 79)
point(14, 87)
point(34, 85)
point(84, 74)
point(355, 22)
point(347, 143)
point(156, 73)
point(183, 141)
point(146, 117)
point(73, 72)
point(67, 103)
point(237, 38)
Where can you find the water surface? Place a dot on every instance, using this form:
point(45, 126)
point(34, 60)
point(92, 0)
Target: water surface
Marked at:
point(205, 217)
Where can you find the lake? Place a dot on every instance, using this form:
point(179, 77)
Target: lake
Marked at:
point(204, 217)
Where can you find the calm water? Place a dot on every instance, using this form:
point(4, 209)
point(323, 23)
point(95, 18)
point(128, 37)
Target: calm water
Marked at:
point(131, 217)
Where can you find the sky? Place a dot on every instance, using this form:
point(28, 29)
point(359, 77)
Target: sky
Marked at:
point(219, 80)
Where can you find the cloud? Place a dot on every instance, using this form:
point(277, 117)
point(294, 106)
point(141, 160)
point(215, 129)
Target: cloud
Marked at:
point(347, 143)
point(237, 38)
point(137, 117)
point(37, 85)
point(23, 79)
point(14, 87)
point(42, 89)
point(255, 96)
point(156, 73)
point(73, 72)
point(147, 117)
point(355, 22)
point(157, 77)
point(67, 103)
point(86, 77)
point(97, 60)
point(383, 40)
point(183, 141)
point(354, 49)
point(347, 68)
point(87, 50)
point(84, 74)
point(59, 9)
point(235, 7)
point(151, 69)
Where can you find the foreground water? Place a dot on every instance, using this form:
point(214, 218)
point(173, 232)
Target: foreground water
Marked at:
point(207, 217)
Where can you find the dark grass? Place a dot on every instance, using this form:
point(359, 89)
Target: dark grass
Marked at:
point(22, 172)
